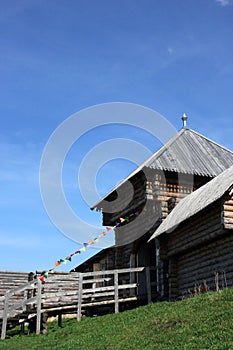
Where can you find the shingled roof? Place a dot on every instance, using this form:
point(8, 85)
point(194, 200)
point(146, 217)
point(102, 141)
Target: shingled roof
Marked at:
point(197, 201)
point(191, 153)
point(187, 152)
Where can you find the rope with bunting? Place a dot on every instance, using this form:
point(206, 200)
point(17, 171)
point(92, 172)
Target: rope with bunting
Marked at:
point(87, 245)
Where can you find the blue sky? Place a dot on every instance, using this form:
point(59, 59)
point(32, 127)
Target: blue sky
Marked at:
point(59, 57)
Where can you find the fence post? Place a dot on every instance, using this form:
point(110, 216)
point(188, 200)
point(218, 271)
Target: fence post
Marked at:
point(116, 291)
point(38, 314)
point(5, 313)
point(80, 291)
point(148, 284)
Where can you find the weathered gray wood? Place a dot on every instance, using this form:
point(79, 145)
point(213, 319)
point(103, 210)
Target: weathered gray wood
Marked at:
point(80, 290)
point(22, 304)
point(111, 301)
point(38, 314)
point(202, 249)
point(97, 280)
point(5, 314)
point(60, 295)
point(109, 288)
point(109, 272)
point(116, 291)
point(27, 286)
point(97, 295)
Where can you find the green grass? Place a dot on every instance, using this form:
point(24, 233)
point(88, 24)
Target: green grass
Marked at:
point(202, 322)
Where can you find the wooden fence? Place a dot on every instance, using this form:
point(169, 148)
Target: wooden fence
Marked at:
point(68, 292)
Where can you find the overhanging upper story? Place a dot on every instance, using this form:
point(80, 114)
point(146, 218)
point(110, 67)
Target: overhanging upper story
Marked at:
point(218, 189)
point(186, 162)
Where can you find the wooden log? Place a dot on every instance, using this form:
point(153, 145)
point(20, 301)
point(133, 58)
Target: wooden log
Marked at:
point(228, 221)
point(194, 242)
point(229, 202)
point(228, 214)
point(228, 226)
point(228, 207)
point(22, 303)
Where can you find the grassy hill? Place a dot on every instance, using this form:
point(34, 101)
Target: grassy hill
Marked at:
point(202, 322)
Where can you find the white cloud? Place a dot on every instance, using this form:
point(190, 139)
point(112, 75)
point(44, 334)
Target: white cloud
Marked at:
point(224, 2)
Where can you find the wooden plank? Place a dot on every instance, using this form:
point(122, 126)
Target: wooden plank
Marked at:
point(80, 290)
point(96, 280)
point(22, 303)
point(109, 272)
point(56, 294)
point(112, 301)
point(28, 286)
point(116, 291)
point(109, 288)
point(38, 314)
point(97, 295)
point(5, 313)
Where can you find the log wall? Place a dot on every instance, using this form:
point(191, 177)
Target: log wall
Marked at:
point(60, 289)
point(155, 193)
point(10, 280)
point(202, 265)
point(196, 231)
point(228, 213)
point(200, 252)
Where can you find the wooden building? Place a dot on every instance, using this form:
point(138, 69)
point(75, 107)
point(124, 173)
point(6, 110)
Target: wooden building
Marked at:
point(138, 205)
point(197, 240)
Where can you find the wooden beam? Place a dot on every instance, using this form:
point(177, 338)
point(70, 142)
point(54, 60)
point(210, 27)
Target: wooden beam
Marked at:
point(5, 313)
point(80, 290)
point(38, 314)
point(116, 291)
point(110, 272)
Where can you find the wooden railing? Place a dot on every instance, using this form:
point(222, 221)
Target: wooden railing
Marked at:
point(12, 310)
point(114, 292)
point(69, 291)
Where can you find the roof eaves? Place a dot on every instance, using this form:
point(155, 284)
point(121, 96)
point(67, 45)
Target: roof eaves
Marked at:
point(174, 219)
point(144, 164)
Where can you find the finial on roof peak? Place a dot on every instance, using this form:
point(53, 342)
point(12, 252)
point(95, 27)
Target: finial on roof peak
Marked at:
point(184, 118)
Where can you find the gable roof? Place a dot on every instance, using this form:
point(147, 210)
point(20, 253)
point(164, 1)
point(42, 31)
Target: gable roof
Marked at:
point(186, 152)
point(196, 201)
point(191, 153)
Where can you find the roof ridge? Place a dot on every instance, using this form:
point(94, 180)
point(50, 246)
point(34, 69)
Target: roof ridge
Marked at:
point(167, 153)
point(209, 140)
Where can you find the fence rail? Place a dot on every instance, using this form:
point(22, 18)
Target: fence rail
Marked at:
point(68, 291)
